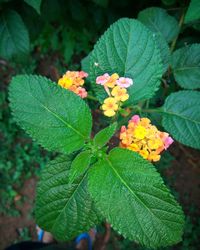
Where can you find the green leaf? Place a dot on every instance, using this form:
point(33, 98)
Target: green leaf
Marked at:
point(168, 2)
point(102, 3)
point(131, 195)
point(62, 208)
point(193, 12)
point(103, 136)
point(181, 117)
point(79, 165)
point(14, 38)
point(35, 4)
point(158, 20)
point(185, 64)
point(68, 45)
point(129, 49)
point(148, 17)
point(57, 118)
point(85, 63)
point(164, 50)
point(99, 91)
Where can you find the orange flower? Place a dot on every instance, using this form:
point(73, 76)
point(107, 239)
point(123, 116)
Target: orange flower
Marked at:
point(142, 137)
point(72, 80)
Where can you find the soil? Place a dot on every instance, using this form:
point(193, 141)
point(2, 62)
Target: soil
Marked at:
point(185, 175)
point(10, 227)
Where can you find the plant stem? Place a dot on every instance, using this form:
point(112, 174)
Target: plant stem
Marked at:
point(180, 25)
point(92, 98)
point(157, 110)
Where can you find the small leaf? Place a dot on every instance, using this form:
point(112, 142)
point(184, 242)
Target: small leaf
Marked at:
point(79, 165)
point(185, 64)
point(57, 118)
point(159, 21)
point(103, 136)
point(193, 12)
point(35, 4)
point(134, 200)
point(129, 49)
point(62, 208)
point(181, 117)
point(14, 38)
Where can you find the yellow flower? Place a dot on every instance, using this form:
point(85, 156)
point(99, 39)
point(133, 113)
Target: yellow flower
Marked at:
point(140, 132)
point(155, 144)
point(109, 106)
point(120, 94)
point(112, 80)
point(134, 147)
point(72, 80)
point(65, 82)
point(154, 157)
point(145, 122)
point(144, 153)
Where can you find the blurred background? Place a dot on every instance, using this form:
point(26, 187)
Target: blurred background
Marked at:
point(57, 35)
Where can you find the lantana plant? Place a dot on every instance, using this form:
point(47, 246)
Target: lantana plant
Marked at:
point(89, 181)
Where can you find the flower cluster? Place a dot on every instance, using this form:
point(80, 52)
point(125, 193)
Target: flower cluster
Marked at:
point(143, 137)
point(115, 87)
point(73, 80)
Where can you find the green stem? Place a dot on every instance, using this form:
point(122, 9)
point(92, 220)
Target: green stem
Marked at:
point(158, 110)
point(147, 103)
point(173, 45)
point(92, 98)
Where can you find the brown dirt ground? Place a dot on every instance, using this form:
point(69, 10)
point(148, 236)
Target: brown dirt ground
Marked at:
point(10, 226)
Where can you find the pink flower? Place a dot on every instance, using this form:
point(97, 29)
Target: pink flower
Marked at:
point(102, 79)
point(123, 129)
point(168, 141)
point(124, 82)
point(135, 119)
point(83, 74)
point(81, 92)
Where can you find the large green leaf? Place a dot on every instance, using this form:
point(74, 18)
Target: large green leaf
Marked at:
point(35, 4)
point(129, 49)
point(133, 198)
point(168, 2)
point(62, 208)
point(57, 118)
point(164, 50)
point(103, 136)
point(14, 38)
point(185, 64)
point(193, 12)
point(68, 44)
point(85, 63)
point(181, 117)
point(150, 17)
point(80, 165)
point(158, 20)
